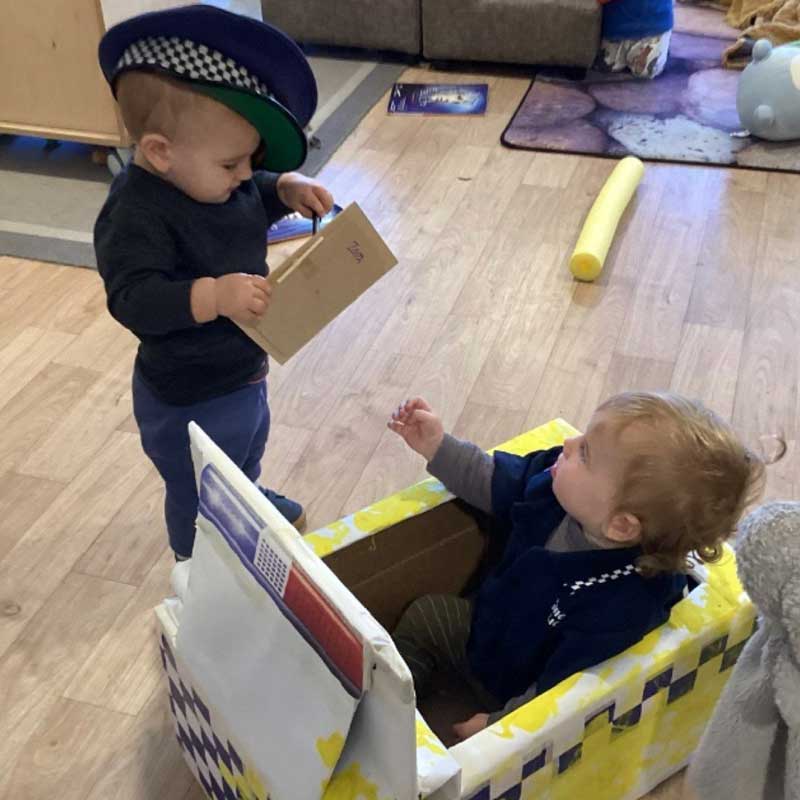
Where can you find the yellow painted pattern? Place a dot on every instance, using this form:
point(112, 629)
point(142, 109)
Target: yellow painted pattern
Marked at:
point(544, 437)
point(408, 503)
point(330, 749)
point(242, 788)
point(328, 539)
point(427, 739)
point(247, 786)
point(532, 716)
point(723, 577)
point(350, 784)
point(251, 786)
point(610, 764)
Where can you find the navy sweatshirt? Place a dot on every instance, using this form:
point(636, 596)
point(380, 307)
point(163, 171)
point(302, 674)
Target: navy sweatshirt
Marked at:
point(152, 242)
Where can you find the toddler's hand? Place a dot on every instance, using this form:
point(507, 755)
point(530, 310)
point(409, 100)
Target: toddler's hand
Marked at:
point(421, 429)
point(303, 194)
point(471, 726)
point(242, 297)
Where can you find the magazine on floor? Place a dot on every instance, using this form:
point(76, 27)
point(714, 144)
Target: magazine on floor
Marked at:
point(439, 98)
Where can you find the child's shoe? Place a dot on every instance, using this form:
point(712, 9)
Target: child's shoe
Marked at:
point(289, 508)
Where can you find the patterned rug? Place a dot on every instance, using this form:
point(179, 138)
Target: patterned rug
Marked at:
point(687, 113)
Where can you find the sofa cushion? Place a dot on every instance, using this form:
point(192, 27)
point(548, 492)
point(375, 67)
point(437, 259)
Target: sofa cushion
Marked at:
point(379, 25)
point(564, 32)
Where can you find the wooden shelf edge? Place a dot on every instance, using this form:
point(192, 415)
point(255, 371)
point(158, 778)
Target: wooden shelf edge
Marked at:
point(88, 137)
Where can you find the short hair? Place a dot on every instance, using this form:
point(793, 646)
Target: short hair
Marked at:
point(688, 483)
point(153, 103)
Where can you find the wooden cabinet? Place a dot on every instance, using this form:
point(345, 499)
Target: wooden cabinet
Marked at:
point(51, 83)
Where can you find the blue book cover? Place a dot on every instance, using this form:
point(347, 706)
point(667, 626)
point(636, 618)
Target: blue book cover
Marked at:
point(295, 226)
point(438, 98)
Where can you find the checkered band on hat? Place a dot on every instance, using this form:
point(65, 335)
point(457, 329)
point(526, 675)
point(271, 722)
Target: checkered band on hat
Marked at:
point(190, 61)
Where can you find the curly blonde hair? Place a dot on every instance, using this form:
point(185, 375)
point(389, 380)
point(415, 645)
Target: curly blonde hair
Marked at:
point(688, 483)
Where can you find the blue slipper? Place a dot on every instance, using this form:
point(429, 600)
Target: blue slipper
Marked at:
point(289, 508)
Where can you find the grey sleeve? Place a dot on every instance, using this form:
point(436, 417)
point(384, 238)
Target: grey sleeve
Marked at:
point(465, 470)
point(512, 705)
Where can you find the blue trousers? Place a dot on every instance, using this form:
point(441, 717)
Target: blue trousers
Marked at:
point(237, 422)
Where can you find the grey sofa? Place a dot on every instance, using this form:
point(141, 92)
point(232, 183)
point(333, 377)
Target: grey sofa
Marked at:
point(371, 24)
point(565, 32)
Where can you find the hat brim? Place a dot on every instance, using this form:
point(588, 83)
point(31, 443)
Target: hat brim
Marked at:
point(285, 144)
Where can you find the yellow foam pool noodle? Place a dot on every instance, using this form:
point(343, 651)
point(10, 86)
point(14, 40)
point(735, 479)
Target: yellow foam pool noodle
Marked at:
point(601, 224)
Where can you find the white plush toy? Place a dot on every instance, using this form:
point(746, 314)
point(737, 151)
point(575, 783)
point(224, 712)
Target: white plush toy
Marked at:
point(751, 748)
point(768, 97)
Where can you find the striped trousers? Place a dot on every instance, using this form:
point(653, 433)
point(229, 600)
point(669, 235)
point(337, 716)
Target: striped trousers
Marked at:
point(432, 637)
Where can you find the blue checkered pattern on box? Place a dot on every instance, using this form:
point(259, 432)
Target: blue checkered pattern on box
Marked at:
point(675, 688)
point(206, 755)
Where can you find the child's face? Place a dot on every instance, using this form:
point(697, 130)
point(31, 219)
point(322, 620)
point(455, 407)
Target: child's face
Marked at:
point(586, 476)
point(211, 155)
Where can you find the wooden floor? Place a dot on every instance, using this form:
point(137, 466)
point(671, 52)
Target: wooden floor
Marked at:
point(701, 293)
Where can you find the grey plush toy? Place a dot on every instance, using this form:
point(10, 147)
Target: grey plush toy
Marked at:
point(768, 97)
point(751, 747)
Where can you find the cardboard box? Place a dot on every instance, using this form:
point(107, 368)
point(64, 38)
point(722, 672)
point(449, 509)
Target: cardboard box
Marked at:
point(285, 683)
point(319, 281)
point(435, 552)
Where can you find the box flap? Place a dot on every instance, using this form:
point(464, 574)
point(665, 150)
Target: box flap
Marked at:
point(281, 652)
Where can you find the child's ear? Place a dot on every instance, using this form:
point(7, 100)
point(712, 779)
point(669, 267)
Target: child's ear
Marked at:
point(624, 528)
point(157, 150)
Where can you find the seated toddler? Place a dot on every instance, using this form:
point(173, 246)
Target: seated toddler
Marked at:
point(595, 538)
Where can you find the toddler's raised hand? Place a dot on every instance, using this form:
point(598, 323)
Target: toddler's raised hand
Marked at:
point(242, 297)
point(421, 429)
point(304, 194)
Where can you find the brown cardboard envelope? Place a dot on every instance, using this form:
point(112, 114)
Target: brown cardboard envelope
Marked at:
point(319, 281)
